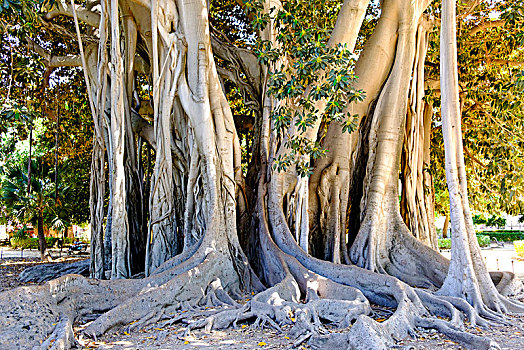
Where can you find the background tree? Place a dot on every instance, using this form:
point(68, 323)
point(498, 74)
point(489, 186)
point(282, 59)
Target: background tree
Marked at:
point(39, 207)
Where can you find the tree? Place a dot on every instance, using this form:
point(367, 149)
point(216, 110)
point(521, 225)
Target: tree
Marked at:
point(35, 206)
point(323, 235)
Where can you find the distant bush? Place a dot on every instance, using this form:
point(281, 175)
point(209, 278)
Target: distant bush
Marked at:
point(503, 236)
point(519, 248)
point(484, 241)
point(32, 243)
point(445, 243)
point(24, 243)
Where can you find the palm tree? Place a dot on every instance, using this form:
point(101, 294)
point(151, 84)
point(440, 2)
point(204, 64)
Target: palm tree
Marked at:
point(37, 206)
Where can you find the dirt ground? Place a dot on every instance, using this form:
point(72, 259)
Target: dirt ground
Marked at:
point(162, 335)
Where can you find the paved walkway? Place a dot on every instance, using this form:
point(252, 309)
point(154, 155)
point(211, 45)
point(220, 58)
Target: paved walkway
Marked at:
point(7, 252)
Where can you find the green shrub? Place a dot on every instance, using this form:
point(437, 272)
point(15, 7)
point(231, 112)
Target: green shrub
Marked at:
point(31, 243)
point(519, 248)
point(503, 236)
point(484, 241)
point(24, 243)
point(444, 243)
point(50, 241)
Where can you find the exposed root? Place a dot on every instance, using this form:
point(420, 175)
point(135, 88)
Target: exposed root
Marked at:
point(47, 272)
point(470, 340)
point(62, 336)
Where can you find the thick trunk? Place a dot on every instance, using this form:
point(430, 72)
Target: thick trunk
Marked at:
point(97, 179)
point(384, 243)
point(372, 69)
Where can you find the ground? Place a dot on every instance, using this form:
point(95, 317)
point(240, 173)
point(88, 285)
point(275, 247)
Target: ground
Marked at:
point(162, 335)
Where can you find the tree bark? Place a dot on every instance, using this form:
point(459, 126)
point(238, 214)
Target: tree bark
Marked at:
point(446, 227)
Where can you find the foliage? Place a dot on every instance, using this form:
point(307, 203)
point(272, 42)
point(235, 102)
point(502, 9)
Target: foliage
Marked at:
point(491, 90)
point(445, 243)
point(24, 243)
point(503, 236)
point(484, 241)
point(40, 202)
point(492, 221)
point(32, 243)
point(519, 248)
point(315, 74)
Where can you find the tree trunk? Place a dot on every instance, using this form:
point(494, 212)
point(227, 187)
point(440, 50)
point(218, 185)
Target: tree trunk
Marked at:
point(29, 158)
point(416, 206)
point(446, 227)
point(41, 235)
point(467, 276)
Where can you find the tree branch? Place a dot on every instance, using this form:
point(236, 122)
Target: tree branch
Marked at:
point(84, 15)
point(467, 151)
point(508, 63)
point(486, 25)
point(245, 71)
point(50, 60)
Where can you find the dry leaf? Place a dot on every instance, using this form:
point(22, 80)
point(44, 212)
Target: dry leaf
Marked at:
point(262, 343)
point(186, 342)
point(244, 326)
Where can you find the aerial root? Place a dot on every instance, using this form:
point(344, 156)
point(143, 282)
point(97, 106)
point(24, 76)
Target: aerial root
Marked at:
point(62, 336)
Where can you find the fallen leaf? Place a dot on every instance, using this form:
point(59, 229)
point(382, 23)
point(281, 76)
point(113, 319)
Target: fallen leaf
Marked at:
point(262, 343)
point(126, 333)
point(186, 342)
point(381, 319)
point(244, 326)
point(286, 337)
point(293, 319)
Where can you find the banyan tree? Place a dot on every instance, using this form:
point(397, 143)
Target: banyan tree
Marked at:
point(311, 220)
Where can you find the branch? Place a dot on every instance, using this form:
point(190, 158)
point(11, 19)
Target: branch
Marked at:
point(466, 150)
point(486, 25)
point(508, 63)
point(84, 15)
point(433, 84)
point(245, 70)
point(65, 61)
point(50, 60)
